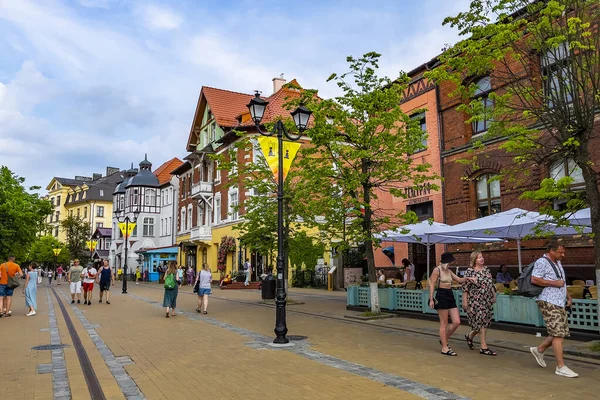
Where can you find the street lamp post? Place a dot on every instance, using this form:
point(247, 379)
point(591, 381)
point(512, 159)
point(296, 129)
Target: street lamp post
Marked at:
point(301, 115)
point(122, 217)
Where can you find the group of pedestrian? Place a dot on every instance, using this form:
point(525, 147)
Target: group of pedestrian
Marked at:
point(174, 279)
point(479, 296)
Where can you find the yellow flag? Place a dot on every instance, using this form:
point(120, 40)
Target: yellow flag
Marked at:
point(269, 148)
point(56, 252)
point(91, 244)
point(130, 227)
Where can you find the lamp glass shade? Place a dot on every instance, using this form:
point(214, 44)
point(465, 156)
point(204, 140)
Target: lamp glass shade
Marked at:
point(257, 108)
point(301, 116)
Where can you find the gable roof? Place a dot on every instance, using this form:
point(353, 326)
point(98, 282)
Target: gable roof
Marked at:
point(163, 173)
point(277, 101)
point(226, 105)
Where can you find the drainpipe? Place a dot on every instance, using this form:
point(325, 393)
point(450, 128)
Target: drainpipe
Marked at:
point(440, 147)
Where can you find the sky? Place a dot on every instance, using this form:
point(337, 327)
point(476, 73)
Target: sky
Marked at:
point(86, 84)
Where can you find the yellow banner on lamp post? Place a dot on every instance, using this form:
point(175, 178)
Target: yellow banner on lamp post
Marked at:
point(129, 226)
point(269, 147)
point(56, 252)
point(91, 244)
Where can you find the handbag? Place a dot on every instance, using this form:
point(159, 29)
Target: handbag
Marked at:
point(13, 282)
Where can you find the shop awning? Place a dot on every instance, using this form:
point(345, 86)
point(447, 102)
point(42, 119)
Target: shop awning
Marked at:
point(173, 249)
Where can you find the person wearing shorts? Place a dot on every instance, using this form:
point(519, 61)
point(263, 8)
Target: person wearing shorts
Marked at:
point(105, 278)
point(89, 277)
point(549, 274)
point(74, 278)
point(59, 274)
point(9, 268)
point(205, 281)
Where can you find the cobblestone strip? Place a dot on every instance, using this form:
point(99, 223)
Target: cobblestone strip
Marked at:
point(261, 342)
point(60, 379)
point(127, 385)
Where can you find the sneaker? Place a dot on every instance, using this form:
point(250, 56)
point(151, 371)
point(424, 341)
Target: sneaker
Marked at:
point(72, 301)
point(32, 313)
point(78, 301)
point(539, 357)
point(566, 372)
point(100, 301)
point(108, 302)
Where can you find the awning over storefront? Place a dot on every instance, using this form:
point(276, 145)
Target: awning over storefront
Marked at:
point(173, 249)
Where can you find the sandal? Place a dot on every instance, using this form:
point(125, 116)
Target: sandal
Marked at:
point(487, 352)
point(450, 352)
point(167, 315)
point(442, 344)
point(198, 310)
point(469, 341)
point(205, 312)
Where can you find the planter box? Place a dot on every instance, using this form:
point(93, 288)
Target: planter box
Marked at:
point(352, 296)
point(584, 314)
point(517, 309)
point(410, 300)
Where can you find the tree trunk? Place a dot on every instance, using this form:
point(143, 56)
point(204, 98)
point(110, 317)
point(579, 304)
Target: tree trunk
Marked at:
point(367, 227)
point(593, 196)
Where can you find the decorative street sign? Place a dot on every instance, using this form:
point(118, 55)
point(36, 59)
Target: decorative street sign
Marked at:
point(269, 148)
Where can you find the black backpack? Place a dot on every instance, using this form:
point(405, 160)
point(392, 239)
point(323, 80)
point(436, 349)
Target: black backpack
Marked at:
point(528, 289)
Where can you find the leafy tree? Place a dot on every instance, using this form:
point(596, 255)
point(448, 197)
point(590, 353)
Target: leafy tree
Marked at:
point(22, 215)
point(41, 251)
point(361, 144)
point(304, 251)
point(78, 232)
point(544, 61)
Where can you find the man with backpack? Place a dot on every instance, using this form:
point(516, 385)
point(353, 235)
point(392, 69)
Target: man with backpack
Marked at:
point(248, 271)
point(554, 301)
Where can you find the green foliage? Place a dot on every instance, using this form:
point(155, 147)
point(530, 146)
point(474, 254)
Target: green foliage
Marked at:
point(22, 215)
point(41, 251)
point(78, 232)
point(305, 250)
point(360, 148)
point(541, 115)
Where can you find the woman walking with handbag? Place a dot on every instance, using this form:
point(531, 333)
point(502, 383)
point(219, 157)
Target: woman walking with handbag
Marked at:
point(443, 300)
point(30, 289)
point(171, 289)
point(478, 301)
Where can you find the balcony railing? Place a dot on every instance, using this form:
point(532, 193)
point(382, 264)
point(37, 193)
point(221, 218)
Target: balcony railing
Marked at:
point(201, 233)
point(202, 189)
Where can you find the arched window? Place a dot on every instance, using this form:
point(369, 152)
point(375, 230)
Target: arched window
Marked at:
point(488, 196)
point(182, 220)
point(484, 86)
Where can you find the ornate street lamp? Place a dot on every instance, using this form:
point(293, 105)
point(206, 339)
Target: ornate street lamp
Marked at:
point(122, 217)
point(301, 115)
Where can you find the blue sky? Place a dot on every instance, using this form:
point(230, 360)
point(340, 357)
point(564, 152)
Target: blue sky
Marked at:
point(86, 84)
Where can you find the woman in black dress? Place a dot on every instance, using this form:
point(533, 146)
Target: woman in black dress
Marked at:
point(444, 301)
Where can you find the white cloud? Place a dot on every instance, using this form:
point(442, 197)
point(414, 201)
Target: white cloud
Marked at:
point(159, 18)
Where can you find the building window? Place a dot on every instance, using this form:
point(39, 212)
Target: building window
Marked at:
point(70, 213)
point(58, 201)
point(148, 228)
point(189, 216)
point(100, 211)
point(56, 231)
point(150, 197)
point(99, 225)
point(78, 212)
point(106, 244)
point(484, 86)
point(217, 216)
point(169, 226)
point(84, 212)
point(563, 168)
point(201, 214)
point(556, 70)
point(57, 216)
point(217, 173)
point(135, 197)
point(183, 187)
point(420, 117)
point(121, 201)
point(233, 160)
point(182, 220)
point(488, 196)
point(101, 193)
point(233, 203)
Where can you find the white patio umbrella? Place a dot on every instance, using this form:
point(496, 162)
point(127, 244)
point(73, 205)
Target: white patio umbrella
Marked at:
point(512, 224)
point(426, 233)
point(581, 217)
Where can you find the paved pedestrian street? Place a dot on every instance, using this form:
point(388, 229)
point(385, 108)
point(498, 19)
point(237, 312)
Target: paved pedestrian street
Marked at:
point(128, 349)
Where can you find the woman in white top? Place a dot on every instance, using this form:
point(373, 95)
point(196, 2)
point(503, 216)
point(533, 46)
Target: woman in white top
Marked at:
point(205, 279)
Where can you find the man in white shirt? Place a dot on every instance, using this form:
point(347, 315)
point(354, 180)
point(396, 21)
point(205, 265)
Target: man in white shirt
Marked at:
point(553, 303)
point(247, 271)
point(89, 277)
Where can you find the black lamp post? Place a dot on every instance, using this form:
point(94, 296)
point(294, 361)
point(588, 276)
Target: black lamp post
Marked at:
point(122, 217)
point(301, 116)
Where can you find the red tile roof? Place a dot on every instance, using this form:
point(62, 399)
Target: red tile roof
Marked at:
point(163, 173)
point(226, 105)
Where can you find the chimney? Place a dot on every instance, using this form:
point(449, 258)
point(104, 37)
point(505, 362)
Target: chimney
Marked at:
point(111, 170)
point(278, 83)
point(95, 177)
